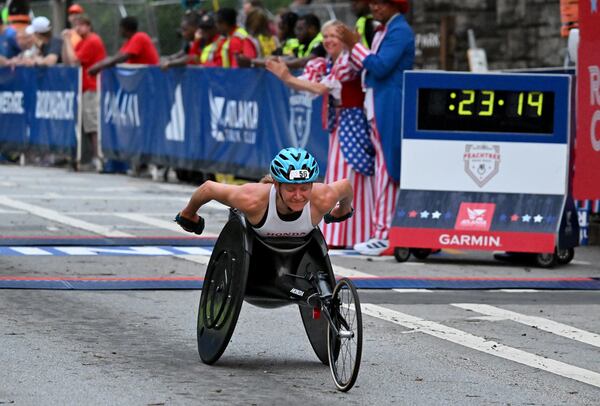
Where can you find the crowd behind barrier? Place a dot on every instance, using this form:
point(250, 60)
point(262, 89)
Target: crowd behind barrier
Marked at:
point(214, 120)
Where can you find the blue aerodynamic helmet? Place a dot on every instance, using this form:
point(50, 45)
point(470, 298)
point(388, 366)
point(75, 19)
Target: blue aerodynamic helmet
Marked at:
point(294, 165)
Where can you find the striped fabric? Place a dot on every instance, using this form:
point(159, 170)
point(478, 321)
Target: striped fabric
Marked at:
point(358, 227)
point(385, 191)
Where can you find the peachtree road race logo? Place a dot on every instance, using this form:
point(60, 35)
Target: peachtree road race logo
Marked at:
point(175, 130)
point(475, 216)
point(482, 162)
point(53, 105)
point(122, 109)
point(11, 103)
point(300, 114)
point(233, 120)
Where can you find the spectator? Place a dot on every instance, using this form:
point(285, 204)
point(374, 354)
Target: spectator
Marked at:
point(257, 24)
point(351, 153)
point(297, 5)
point(50, 47)
point(365, 24)
point(88, 51)
point(308, 32)
point(74, 12)
point(190, 53)
point(137, 48)
point(210, 42)
point(8, 42)
point(29, 50)
point(393, 52)
point(285, 32)
point(237, 41)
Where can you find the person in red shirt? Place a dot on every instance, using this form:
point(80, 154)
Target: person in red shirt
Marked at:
point(237, 40)
point(88, 51)
point(137, 49)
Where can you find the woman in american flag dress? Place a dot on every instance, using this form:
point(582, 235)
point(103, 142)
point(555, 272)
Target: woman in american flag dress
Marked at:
point(351, 153)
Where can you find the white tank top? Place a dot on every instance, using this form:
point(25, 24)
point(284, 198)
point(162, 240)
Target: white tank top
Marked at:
point(276, 227)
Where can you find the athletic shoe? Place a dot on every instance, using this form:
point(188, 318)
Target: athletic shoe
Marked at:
point(374, 247)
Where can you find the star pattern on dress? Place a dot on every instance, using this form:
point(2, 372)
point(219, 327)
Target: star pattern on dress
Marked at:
point(538, 218)
point(436, 215)
point(424, 214)
point(526, 218)
point(412, 214)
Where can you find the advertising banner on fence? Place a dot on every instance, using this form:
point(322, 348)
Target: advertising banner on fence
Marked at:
point(39, 108)
point(586, 182)
point(232, 121)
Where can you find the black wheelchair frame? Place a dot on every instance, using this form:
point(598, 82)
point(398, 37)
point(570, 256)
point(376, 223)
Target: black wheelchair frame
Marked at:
point(277, 272)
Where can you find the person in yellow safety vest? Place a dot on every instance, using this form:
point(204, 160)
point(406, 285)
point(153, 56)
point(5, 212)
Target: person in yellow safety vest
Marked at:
point(365, 24)
point(285, 32)
point(257, 24)
point(211, 42)
point(308, 32)
point(237, 41)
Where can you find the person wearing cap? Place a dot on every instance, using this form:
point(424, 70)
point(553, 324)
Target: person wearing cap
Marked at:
point(189, 54)
point(210, 42)
point(74, 11)
point(86, 53)
point(286, 203)
point(50, 47)
point(137, 48)
point(393, 52)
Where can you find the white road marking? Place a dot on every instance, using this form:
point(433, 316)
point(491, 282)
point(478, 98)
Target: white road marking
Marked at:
point(30, 251)
point(199, 259)
point(541, 323)
point(134, 197)
point(413, 290)
point(514, 290)
point(55, 216)
point(158, 223)
point(127, 251)
point(481, 344)
point(576, 262)
point(206, 252)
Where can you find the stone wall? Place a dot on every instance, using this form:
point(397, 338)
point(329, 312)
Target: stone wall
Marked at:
point(514, 33)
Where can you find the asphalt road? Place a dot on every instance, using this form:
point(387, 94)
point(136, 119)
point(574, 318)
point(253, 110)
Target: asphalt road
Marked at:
point(423, 347)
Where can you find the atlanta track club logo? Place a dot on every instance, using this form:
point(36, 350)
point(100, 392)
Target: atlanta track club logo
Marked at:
point(482, 162)
point(300, 118)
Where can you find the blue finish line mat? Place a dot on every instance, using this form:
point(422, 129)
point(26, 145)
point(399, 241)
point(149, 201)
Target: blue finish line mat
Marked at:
point(99, 241)
point(191, 283)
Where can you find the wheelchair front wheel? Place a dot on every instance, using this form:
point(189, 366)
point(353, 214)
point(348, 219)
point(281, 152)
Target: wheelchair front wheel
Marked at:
point(345, 346)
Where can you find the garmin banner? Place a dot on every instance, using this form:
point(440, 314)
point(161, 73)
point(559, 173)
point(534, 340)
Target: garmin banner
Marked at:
point(39, 108)
point(216, 120)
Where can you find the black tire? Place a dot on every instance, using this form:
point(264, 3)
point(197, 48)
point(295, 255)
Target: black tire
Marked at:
point(222, 292)
point(545, 260)
point(421, 253)
point(564, 256)
point(345, 352)
point(401, 254)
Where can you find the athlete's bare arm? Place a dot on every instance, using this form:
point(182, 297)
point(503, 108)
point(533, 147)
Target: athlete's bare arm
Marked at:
point(251, 199)
point(334, 198)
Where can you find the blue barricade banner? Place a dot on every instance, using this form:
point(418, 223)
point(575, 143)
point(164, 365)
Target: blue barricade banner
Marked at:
point(39, 108)
point(216, 120)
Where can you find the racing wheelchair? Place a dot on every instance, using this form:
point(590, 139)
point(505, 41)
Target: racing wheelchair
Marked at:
point(277, 272)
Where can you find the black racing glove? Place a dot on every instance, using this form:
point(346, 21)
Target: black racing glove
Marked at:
point(328, 218)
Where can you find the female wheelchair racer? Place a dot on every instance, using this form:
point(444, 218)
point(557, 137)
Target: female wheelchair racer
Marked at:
point(271, 254)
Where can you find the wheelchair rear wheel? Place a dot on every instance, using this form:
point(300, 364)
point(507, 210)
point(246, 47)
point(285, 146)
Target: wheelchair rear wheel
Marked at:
point(345, 347)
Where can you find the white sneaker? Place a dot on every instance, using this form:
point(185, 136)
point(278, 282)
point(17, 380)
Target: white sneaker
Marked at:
point(373, 247)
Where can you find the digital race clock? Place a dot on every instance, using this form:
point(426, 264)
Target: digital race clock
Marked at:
point(486, 110)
